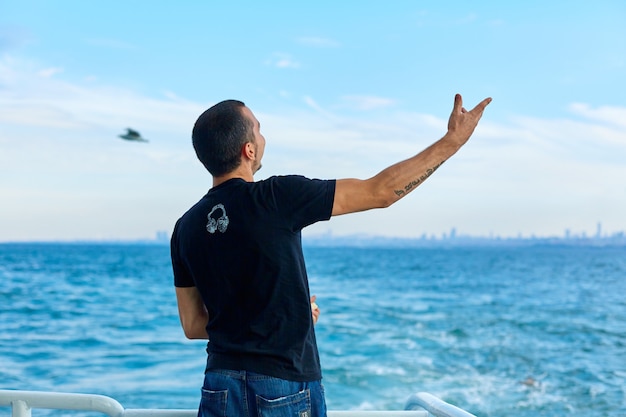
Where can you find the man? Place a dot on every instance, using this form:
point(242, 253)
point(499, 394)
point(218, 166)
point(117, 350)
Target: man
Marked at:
point(238, 266)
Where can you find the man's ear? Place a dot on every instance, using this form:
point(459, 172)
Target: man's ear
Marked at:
point(249, 151)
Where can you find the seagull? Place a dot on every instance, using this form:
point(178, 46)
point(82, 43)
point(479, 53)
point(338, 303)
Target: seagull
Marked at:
point(132, 135)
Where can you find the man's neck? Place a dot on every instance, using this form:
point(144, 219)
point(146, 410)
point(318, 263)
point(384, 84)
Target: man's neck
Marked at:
point(243, 174)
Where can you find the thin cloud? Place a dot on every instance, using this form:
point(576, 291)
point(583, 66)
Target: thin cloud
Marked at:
point(367, 102)
point(318, 42)
point(469, 18)
point(312, 104)
point(282, 61)
point(57, 103)
point(34, 97)
point(608, 114)
point(573, 138)
point(110, 43)
point(49, 72)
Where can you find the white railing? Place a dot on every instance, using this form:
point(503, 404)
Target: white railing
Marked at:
point(22, 402)
point(435, 406)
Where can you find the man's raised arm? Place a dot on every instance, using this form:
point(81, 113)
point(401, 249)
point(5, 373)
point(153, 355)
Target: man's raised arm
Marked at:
point(396, 181)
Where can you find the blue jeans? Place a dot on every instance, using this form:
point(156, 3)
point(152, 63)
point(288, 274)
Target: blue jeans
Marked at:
point(229, 393)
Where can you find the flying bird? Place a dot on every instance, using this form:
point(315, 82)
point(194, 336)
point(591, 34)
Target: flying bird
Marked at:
point(132, 135)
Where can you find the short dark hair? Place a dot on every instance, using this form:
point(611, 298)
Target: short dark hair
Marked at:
point(219, 134)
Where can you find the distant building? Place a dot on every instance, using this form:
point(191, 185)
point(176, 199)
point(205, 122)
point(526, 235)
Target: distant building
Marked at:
point(162, 236)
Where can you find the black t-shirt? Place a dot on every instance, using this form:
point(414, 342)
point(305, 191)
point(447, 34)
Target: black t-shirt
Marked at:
point(240, 245)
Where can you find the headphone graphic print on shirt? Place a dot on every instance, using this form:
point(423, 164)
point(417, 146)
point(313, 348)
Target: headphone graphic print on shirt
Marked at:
point(220, 223)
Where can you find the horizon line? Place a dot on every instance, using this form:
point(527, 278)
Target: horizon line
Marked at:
point(354, 239)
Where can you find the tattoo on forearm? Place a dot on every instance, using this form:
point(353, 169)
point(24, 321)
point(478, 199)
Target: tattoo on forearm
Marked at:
point(418, 181)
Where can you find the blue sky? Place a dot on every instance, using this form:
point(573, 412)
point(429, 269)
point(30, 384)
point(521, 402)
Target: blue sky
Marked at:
point(342, 89)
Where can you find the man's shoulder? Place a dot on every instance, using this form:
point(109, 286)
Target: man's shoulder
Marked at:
point(283, 178)
point(199, 206)
point(290, 179)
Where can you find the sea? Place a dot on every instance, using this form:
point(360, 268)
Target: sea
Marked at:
point(536, 330)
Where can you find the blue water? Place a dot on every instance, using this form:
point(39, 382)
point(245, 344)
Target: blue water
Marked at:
point(497, 331)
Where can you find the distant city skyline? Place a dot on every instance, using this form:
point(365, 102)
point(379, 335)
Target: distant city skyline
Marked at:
point(454, 233)
point(360, 239)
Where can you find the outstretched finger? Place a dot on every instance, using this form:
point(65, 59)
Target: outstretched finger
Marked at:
point(458, 104)
point(480, 107)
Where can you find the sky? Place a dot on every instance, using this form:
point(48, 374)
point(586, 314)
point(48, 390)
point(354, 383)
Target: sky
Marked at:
point(342, 89)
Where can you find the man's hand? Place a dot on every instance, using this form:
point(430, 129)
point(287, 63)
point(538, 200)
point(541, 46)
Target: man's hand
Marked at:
point(315, 310)
point(462, 123)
